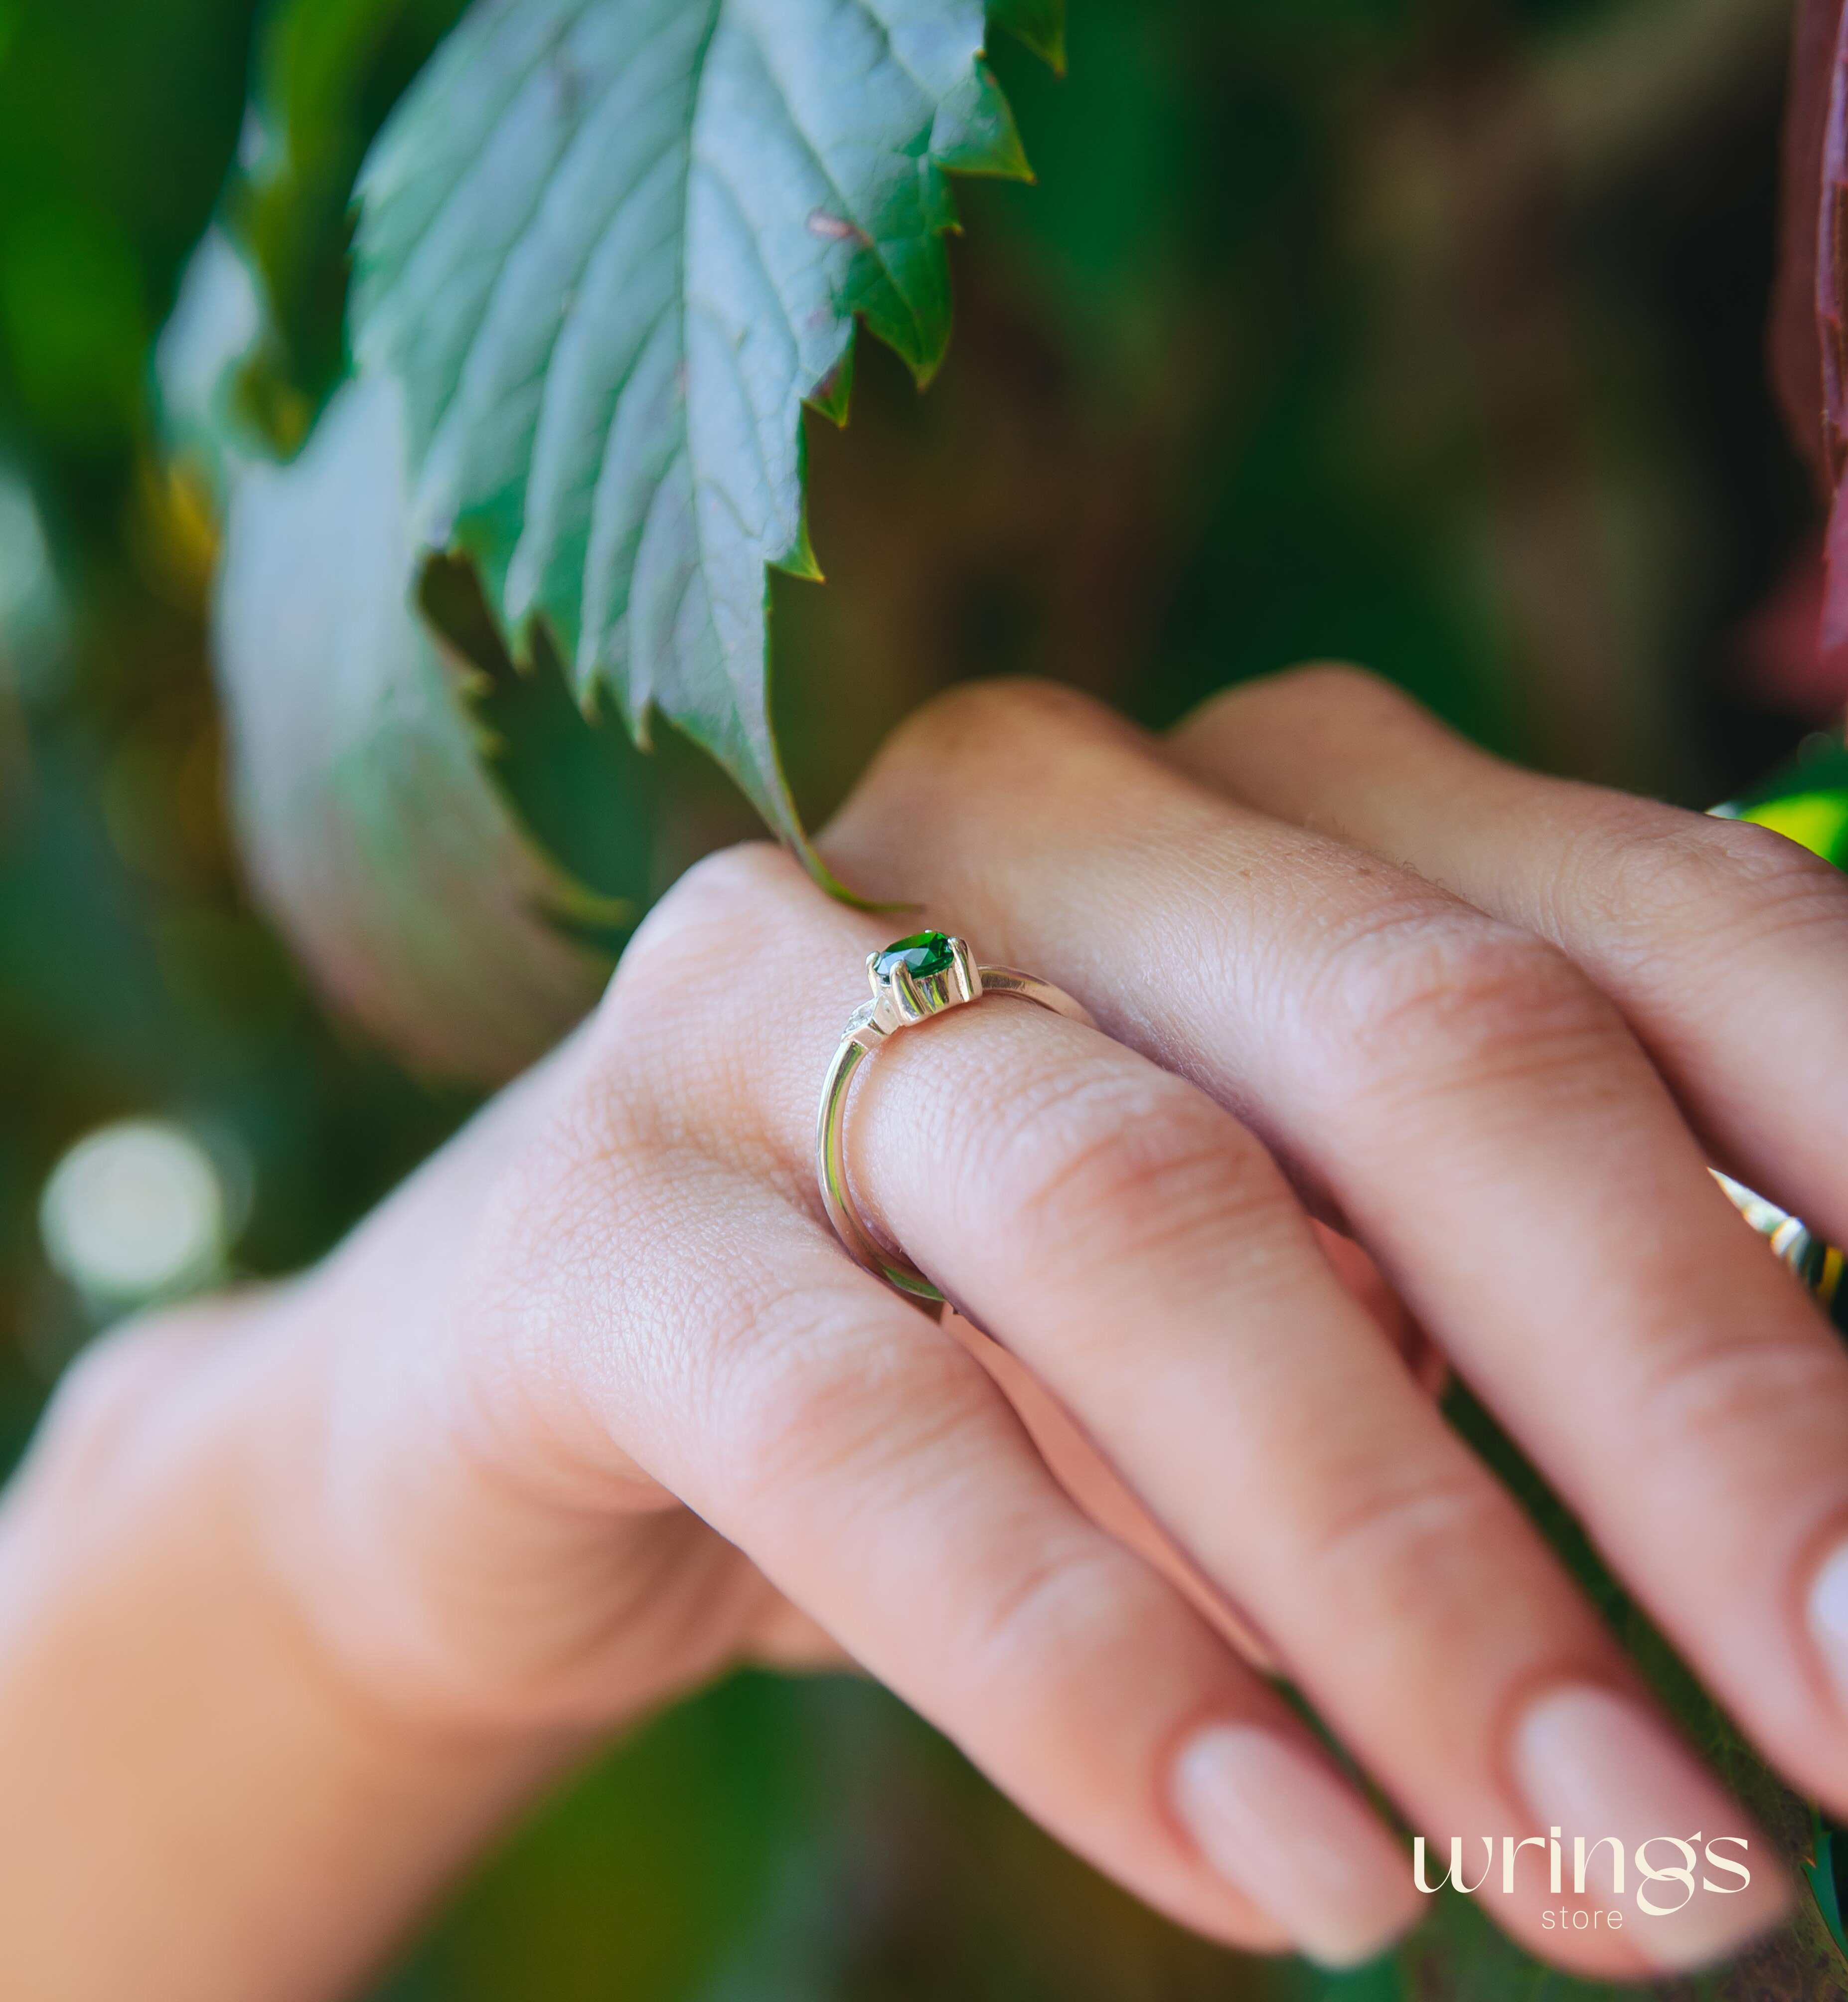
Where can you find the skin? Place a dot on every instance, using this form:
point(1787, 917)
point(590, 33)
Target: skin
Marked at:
point(304, 1594)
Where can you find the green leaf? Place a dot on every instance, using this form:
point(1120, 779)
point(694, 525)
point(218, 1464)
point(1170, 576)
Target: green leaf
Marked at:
point(374, 831)
point(1806, 801)
point(611, 248)
point(1823, 1872)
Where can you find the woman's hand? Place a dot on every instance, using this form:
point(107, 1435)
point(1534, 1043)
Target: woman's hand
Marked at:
point(596, 1405)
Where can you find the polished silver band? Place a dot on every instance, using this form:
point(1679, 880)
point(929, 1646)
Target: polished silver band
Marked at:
point(912, 980)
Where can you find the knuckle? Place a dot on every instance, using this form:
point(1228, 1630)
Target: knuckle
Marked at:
point(1441, 994)
point(1108, 1170)
point(659, 1046)
point(785, 1413)
point(974, 708)
point(967, 723)
point(1392, 1545)
point(731, 881)
point(724, 903)
point(1710, 1395)
point(1320, 686)
point(1039, 1618)
point(1342, 681)
point(797, 1395)
point(1657, 881)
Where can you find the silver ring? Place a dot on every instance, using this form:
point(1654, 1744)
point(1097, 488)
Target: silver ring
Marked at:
point(912, 979)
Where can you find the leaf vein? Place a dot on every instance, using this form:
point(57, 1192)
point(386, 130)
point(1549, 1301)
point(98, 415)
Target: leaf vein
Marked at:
point(500, 280)
point(849, 206)
point(407, 254)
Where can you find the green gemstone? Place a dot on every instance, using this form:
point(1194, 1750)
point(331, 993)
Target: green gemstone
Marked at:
point(921, 955)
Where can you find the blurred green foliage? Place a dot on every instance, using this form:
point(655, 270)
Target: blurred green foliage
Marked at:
point(325, 77)
point(1419, 332)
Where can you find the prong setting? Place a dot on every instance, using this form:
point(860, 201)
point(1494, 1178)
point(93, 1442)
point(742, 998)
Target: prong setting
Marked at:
point(919, 977)
point(914, 1005)
point(968, 975)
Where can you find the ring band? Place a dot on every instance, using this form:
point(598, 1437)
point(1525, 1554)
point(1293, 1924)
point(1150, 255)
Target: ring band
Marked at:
point(915, 978)
point(912, 979)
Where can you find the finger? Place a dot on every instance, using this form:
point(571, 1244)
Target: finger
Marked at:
point(1725, 945)
point(1088, 1476)
point(1133, 1244)
point(873, 1472)
point(1481, 1115)
point(1139, 1252)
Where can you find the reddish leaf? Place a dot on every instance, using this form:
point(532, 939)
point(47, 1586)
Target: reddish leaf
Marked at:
point(1796, 356)
point(1831, 245)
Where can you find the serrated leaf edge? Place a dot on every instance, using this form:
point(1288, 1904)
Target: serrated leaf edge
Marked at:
point(973, 133)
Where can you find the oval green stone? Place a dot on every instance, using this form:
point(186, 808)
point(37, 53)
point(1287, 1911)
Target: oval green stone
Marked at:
point(921, 955)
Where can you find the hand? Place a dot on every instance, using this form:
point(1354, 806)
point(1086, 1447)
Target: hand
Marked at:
point(596, 1405)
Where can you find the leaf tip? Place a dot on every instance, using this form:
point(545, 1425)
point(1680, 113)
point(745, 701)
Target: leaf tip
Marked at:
point(833, 396)
point(801, 560)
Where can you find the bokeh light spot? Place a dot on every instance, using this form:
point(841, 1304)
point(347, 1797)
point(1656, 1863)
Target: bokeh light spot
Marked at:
point(135, 1212)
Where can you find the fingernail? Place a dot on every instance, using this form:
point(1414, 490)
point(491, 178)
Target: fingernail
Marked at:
point(1828, 1617)
point(1278, 1824)
point(1593, 1764)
